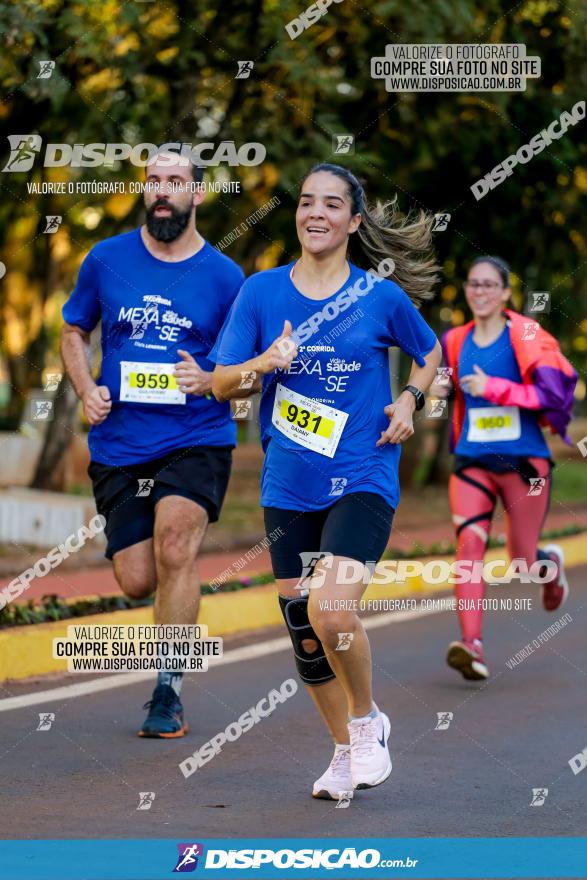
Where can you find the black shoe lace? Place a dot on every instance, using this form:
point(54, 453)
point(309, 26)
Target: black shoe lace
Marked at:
point(164, 703)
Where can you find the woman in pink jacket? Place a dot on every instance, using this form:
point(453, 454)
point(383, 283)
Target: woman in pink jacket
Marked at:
point(509, 379)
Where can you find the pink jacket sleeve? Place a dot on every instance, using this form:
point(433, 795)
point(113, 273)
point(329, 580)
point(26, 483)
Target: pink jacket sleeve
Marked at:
point(507, 393)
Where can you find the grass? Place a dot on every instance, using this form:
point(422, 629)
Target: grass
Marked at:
point(569, 482)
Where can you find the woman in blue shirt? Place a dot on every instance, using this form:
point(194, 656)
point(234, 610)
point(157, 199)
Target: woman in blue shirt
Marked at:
point(331, 434)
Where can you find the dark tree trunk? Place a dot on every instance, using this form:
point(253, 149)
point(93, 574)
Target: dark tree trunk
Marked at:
point(440, 469)
point(26, 370)
point(50, 470)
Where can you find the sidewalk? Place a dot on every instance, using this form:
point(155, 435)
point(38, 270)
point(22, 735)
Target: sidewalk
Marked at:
point(99, 580)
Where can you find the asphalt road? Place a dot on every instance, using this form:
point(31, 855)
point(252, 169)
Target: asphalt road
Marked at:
point(516, 733)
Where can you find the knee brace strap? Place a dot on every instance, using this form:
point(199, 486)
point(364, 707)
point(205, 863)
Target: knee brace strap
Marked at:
point(313, 668)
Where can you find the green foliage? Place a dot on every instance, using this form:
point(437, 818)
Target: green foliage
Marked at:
point(149, 72)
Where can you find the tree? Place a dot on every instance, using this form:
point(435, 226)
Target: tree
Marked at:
point(151, 73)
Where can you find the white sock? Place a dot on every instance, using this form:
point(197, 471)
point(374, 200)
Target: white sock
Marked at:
point(372, 714)
point(172, 679)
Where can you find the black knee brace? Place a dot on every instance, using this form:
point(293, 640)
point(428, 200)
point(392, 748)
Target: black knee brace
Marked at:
point(313, 668)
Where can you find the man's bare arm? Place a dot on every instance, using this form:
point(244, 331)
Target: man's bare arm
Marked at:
point(75, 351)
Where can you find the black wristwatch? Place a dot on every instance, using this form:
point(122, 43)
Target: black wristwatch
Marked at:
point(417, 394)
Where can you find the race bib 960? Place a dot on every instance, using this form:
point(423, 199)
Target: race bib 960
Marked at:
point(494, 423)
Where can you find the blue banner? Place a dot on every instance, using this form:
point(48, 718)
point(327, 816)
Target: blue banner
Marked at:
point(276, 858)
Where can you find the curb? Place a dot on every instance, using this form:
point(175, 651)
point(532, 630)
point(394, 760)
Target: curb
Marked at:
point(26, 651)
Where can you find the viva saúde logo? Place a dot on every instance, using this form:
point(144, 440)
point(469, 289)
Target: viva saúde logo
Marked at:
point(187, 860)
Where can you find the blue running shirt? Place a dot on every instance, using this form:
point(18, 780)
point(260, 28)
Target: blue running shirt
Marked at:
point(489, 429)
point(320, 420)
point(149, 309)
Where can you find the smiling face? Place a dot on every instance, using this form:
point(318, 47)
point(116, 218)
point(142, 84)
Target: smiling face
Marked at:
point(484, 290)
point(323, 218)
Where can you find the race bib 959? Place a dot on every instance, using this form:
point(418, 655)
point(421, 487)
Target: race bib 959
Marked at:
point(149, 383)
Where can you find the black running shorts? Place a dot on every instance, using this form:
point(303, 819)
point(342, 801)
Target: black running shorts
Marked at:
point(358, 526)
point(126, 495)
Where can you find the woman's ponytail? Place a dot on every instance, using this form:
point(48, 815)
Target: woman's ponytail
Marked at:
point(385, 232)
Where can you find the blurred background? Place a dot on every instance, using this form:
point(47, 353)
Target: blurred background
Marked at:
point(156, 72)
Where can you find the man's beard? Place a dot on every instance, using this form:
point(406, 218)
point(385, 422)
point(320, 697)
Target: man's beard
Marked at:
point(167, 228)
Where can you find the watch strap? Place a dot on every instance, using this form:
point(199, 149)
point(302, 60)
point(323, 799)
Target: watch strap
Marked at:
point(417, 394)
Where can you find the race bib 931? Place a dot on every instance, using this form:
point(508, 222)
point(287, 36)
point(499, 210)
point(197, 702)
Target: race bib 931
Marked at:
point(308, 422)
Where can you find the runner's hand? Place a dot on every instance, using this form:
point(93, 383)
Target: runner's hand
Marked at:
point(97, 404)
point(191, 378)
point(400, 420)
point(474, 383)
point(280, 353)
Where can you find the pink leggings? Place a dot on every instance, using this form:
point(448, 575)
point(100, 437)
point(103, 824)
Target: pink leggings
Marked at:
point(472, 494)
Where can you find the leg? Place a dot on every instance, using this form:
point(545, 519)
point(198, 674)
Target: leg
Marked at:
point(333, 613)
point(525, 512)
point(361, 758)
point(363, 522)
point(189, 489)
point(352, 666)
point(179, 528)
point(329, 698)
point(301, 534)
point(356, 532)
point(472, 495)
point(129, 525)
point(134, 569)
point(180, 525)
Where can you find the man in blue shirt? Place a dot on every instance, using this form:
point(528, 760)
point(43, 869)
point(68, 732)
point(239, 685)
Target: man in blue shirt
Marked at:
point(160, 444)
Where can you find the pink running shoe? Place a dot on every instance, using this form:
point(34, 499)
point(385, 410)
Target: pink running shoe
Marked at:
point(467, 658)
point(555, 592)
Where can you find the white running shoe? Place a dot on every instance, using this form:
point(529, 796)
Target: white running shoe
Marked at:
point(336, 781)
point(370, 758)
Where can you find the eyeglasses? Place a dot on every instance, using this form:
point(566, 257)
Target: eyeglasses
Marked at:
point(484, 285)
